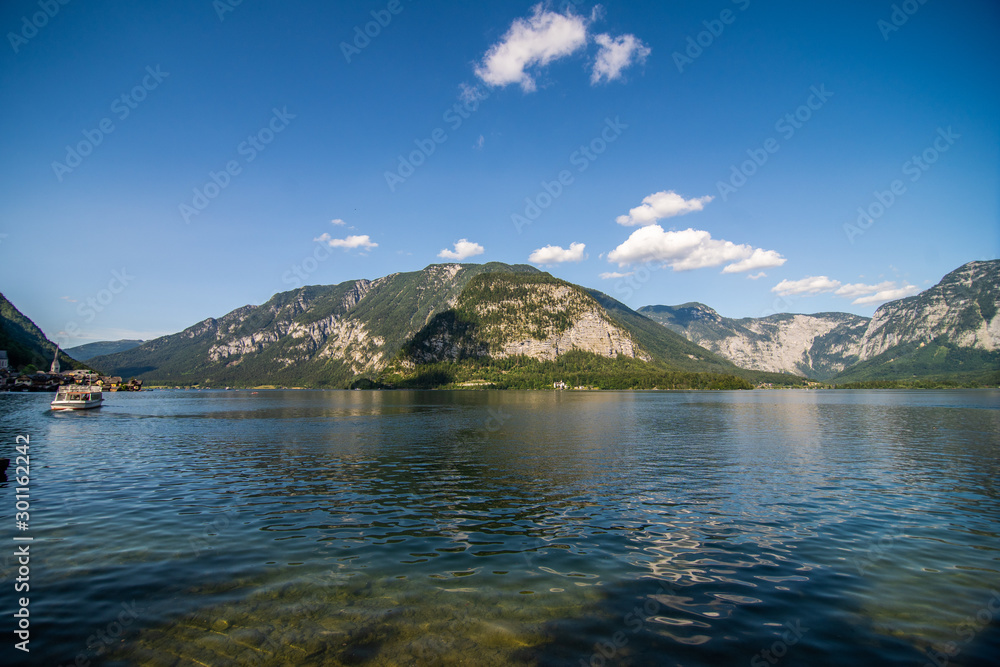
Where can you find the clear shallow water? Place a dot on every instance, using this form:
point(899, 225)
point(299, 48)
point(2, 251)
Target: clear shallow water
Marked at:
point(496, 528)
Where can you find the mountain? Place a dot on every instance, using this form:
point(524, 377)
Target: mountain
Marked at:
point(91, 350)
point(500, 315)
point(816, 346)
point(961, 309)
point(333, 335)
point(26, 344)
point(950, 331)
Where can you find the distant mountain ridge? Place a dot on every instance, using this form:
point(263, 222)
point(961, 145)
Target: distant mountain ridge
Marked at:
point(91, 350)
point(331, 335)
point(951, 329)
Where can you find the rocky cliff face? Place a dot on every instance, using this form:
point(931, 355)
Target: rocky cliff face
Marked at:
point(809, 345)
point(332, 336)
point(817, 346)
point(531, 315)
point(592, 332)
point(961, 311)
point(285, 320)
point(573, 321)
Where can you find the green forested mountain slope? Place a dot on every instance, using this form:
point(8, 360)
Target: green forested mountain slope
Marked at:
point(25, 343)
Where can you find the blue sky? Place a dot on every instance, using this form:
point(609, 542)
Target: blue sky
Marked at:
point(168, 162)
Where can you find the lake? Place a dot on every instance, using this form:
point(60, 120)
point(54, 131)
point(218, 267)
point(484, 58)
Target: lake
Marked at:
point(509, 528)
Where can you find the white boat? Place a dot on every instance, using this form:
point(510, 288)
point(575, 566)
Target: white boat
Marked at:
point(77, 397)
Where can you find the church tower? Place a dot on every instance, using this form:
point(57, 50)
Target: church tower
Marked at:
point(54, 368)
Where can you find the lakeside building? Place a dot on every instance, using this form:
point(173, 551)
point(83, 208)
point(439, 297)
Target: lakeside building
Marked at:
point(54, 368)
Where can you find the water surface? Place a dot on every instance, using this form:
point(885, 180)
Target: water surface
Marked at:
point(499, 528)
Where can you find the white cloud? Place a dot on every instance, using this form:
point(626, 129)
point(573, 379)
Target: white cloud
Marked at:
point(888, 295)
point(861, 293)
point(480, 142)
point(616, 55)
point(615, 274)
point(757, 276)
point(338, 222)
point(463, 250)
point(686, 250)
point(658, 205)
point(760, 259)
point(544, 37)
point(860, 289)
point(471, 94)
point(880, 293)
point(362, 241)
point(810, 285)
point(553, 254)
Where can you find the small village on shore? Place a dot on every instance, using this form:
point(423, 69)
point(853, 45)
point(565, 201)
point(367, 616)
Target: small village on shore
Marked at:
point(30, 379)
